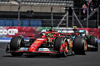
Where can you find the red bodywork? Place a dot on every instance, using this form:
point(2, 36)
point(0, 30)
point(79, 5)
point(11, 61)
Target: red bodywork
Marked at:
point(36, 44)
point(44, 38)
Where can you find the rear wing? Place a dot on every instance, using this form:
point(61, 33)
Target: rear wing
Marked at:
point(65, 30)
point(70, 31)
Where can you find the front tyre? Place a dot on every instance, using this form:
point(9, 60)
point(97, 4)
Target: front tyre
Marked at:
point(15, 44)
point(61, 46)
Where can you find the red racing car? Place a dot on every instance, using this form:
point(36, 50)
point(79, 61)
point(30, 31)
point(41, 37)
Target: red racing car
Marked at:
point(50, 42)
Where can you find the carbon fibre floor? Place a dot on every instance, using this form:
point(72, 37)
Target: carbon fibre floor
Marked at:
point(91, 59)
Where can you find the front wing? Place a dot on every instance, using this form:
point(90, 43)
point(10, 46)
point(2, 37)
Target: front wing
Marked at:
point(39, 50)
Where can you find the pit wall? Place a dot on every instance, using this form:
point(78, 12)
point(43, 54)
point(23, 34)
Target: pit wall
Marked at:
point(8, 32)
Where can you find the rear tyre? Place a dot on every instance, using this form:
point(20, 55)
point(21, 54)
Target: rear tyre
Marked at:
point(80, 45)
point(15, 44)
point(94, 42)
point(61, 46)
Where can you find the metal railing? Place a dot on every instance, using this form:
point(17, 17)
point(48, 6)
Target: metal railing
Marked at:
point(78, 15)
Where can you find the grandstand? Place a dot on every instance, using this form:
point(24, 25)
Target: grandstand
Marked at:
point(38, 13)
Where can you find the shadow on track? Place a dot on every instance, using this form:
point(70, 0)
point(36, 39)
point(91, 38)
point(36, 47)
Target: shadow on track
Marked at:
point(36, 56)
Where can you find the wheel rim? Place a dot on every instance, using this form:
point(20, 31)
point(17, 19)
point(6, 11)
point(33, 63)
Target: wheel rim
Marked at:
point(61, 48)
point(64, 47)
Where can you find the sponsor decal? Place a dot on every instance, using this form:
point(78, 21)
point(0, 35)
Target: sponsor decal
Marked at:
point(23, 49)
point(8, 32)
point(81, 31)
point(67, 31)
point(44, 49)
point(37, 41)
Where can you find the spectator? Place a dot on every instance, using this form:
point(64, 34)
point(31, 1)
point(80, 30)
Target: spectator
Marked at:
point(84, 7)
point(89, 5)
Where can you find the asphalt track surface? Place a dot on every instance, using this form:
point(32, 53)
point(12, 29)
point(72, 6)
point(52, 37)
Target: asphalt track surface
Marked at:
point(90, 59)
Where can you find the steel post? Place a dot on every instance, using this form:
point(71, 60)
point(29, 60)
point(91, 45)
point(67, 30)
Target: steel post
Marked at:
point(67, 17)
point(72, 17)
point(19, 15)
point(52, 16)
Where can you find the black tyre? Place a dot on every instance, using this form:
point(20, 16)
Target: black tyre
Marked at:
point(16, 43)
point(93, 41)
point(61, 46)
point(16, 54)
point(79, 45)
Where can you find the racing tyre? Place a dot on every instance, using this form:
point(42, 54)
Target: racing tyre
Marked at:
point(94, 42)
point(16, 43)
point(80, 45)
point(61, 46)
point(16, 54)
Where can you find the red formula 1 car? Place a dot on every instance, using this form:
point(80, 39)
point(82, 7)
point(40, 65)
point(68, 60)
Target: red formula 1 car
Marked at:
point(52, 42)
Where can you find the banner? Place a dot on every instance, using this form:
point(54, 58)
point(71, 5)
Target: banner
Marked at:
point(8, 32)
point(92, 31)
